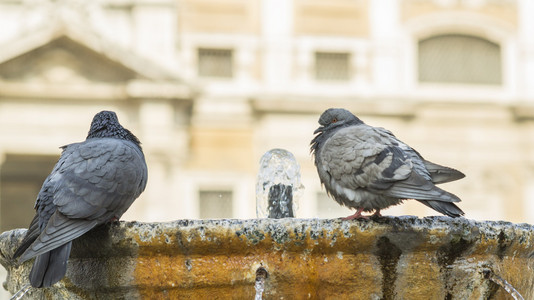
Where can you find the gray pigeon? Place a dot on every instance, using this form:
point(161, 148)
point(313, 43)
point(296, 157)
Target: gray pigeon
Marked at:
point(94, 182)
point(368, 168)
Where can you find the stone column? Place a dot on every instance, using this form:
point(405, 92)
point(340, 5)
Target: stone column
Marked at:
point(276, 30)
point(526, 45)
point(384, 17)
point(156, 30)
point(156, 126)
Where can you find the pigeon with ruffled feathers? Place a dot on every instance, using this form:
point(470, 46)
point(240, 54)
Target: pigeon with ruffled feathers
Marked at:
point(367, 168)
point(94, 182)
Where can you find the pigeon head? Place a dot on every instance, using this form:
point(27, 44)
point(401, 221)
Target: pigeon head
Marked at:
point(105, 124)
point(336, 118)
point(332, 120)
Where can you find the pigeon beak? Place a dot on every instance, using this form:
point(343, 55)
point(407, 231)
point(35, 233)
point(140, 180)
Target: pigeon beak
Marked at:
point(320, 129)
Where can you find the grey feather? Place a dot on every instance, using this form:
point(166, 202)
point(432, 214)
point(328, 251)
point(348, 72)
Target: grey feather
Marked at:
point(43, 275)
point(59, 229)
point(32, 234)
point(93, 182)
point(442, 174)
point(368, 168)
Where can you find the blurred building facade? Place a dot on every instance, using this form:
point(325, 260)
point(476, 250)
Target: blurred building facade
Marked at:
point(209, 86)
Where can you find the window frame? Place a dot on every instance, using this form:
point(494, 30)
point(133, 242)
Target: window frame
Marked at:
point(348, 65)
point(216, 190)
point(208, 72)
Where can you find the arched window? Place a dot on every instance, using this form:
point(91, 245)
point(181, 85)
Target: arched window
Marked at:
point(456, 58)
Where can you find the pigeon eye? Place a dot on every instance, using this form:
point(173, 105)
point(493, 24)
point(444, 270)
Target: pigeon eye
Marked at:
point(334, 120)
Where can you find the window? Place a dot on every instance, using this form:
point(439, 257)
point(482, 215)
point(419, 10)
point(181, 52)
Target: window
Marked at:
point(215, 63)
point(332, 66)
point(21, 178)
point(456, 58)
point(215, 204)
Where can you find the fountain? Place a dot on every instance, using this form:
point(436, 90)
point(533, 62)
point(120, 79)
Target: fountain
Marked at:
point(277, 256)
point(278, 186)
point(384, 258)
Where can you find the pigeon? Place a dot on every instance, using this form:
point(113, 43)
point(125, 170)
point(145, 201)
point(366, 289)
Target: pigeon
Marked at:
point(94, 182)
point(367, 168)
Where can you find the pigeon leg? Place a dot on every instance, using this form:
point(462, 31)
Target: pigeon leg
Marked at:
point(377, 213)
point(356, 215)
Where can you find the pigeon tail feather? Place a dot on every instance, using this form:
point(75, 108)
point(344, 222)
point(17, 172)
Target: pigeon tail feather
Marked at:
point(442, 174)
point(50, 267)
point(446, 208)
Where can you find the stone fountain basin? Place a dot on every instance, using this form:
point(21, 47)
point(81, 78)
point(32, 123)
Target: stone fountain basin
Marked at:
point(383, 258)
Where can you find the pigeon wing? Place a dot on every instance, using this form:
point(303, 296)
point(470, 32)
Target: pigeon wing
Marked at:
point(59, 231)
point(44, 206)
point(438, 173)
point(372, 158)
point(31, 234)
point(101, 180)
point(96, 181)
point(356, 156)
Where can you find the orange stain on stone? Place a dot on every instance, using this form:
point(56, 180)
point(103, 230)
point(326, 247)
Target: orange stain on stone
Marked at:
point(340, 261)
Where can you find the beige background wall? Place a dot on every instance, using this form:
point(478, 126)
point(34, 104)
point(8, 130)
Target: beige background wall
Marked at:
point(63, 61)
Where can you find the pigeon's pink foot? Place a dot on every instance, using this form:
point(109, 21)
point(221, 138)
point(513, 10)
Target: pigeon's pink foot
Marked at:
point(356, 215)
point(113, 220)
point(377, 213)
